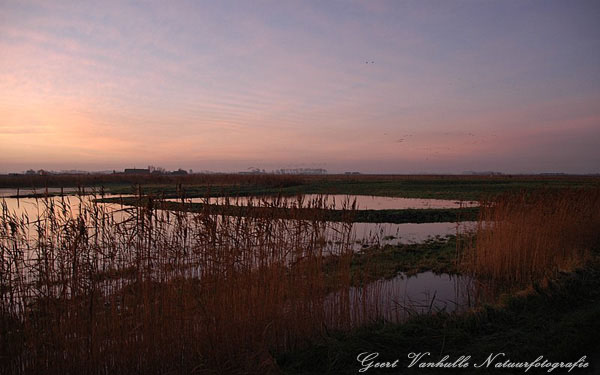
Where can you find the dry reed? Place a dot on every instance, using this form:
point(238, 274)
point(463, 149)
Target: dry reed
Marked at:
point(530, 236)
point(87, 288)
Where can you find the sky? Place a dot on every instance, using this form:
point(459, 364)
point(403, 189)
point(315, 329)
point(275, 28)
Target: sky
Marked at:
point(370, 86)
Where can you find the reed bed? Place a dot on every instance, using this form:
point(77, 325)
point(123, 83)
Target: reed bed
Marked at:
point(528, 237)
point(89, 288)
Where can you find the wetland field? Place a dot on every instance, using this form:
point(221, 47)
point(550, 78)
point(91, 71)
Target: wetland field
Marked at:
point(279, 274)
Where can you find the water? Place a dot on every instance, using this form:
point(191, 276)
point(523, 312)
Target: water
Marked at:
point(363, 202)
point(392, 300)
point(33, 207)
point(363, 234)
point(396, 299)
point(367, 234)
point(9, 192)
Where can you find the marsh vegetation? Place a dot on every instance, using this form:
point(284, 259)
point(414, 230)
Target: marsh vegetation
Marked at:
point(105, 284)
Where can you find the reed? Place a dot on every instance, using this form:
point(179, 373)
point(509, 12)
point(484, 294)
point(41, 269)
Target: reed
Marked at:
point(90, 288)
point(528, 237)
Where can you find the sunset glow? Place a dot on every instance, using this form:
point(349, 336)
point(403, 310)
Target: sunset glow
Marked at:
point(374, 86)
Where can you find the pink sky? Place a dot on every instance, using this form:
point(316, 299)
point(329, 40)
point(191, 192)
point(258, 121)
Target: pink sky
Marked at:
point(509, 86)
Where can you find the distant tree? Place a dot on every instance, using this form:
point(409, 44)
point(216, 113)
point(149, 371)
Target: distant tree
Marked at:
point(179, 172)
point(156, 170)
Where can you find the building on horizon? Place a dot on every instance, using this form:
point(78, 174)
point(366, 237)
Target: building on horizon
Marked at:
point(136, 171)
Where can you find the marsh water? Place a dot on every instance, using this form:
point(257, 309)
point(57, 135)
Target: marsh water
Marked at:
point(337, 201)
point(407, 233)
point(402, 296)
point(32, 207)
point(363, 234)
point(11, 192)
point(393, 299)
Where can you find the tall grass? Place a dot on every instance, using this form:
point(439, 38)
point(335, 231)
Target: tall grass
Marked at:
point(87, 288)
point(526, 237)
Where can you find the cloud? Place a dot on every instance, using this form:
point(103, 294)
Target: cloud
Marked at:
point(287, 81)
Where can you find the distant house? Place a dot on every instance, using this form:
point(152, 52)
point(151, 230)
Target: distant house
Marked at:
point(136, 171)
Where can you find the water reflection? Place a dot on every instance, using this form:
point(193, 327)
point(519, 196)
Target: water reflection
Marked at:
point(34, 207)
point(367, 234)
point(363, 234)
point(10, 192)
point(192, 245)
point(363, 202)
point(396, 299)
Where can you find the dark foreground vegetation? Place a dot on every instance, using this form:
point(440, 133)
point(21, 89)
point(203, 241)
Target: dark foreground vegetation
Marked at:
point(537, 257)
point(560, 321)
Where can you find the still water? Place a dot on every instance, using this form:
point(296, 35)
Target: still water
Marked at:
point(10, 192)
point(392, 300)
point(363, 234)
point(398, 298)
point(338, 201)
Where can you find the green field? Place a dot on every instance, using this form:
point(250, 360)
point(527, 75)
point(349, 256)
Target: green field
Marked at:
point(425, 186)
point(437, 187)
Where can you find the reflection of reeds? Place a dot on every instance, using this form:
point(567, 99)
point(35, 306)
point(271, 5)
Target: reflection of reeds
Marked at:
point(89, 288)
point(530, 236)
point(394, 300)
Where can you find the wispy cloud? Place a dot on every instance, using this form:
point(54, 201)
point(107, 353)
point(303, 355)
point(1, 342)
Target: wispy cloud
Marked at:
point(286, 82)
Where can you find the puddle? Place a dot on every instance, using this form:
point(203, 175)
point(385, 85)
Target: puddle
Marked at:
point(394, 234)
point(395, 300)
